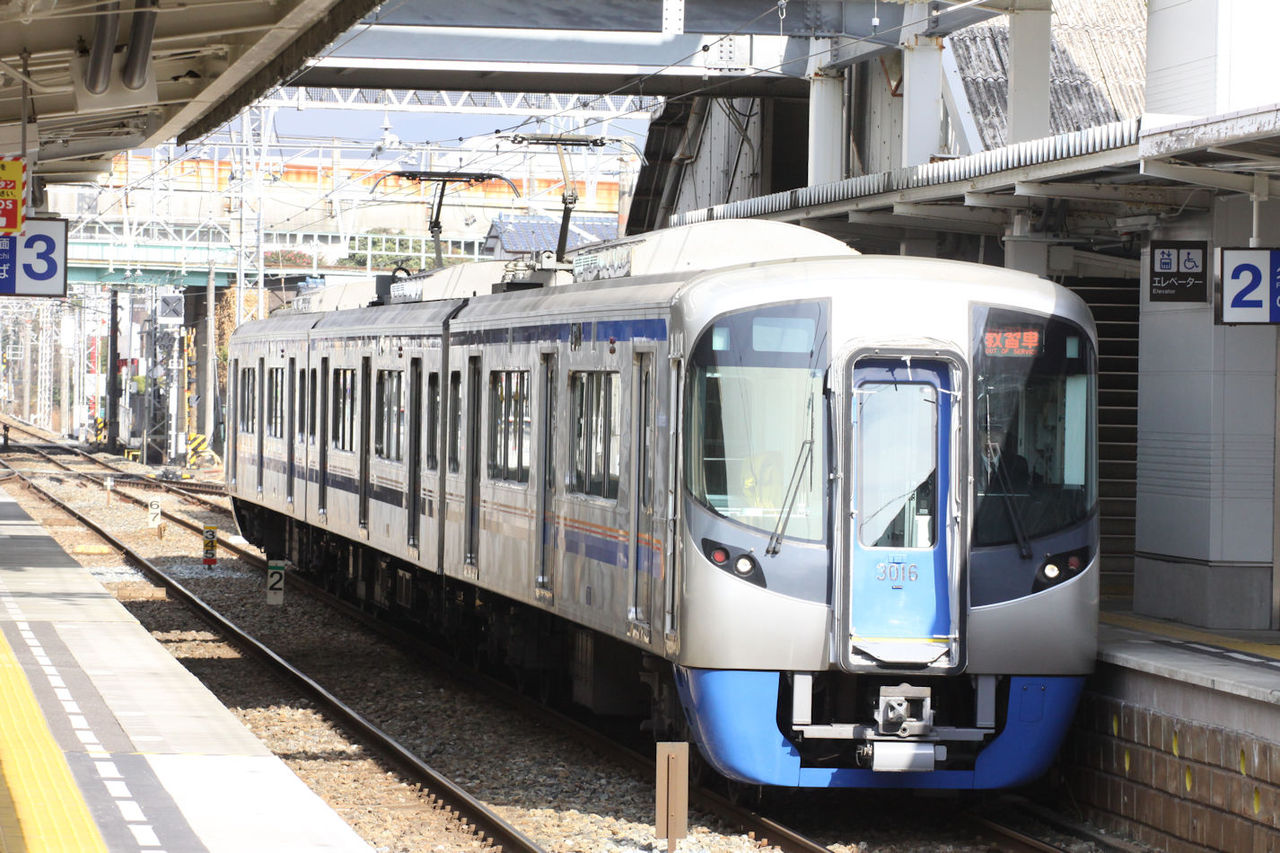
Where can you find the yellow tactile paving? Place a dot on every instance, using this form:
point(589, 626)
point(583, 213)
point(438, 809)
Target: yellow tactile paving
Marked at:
point(42, 809)
point(1193, 635)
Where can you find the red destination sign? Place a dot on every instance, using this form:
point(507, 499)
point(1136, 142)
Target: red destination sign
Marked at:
point(1015, 341)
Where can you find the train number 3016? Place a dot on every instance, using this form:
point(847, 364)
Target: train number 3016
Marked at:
point(897, 572)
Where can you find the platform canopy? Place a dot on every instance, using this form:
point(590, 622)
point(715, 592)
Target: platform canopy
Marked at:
point(102, 78)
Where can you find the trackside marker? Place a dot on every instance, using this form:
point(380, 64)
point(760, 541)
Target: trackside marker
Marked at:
point(210, 544)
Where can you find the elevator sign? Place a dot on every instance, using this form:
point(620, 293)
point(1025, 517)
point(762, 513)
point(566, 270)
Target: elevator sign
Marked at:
point(13, 186)
point(1178, 271)
point(1251, 285)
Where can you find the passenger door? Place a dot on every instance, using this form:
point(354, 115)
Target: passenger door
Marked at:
point(413, 485)
point(898, 598)
point(646, 556)
point(548, 527)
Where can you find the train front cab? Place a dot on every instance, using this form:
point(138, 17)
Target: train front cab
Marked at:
point(963, 620)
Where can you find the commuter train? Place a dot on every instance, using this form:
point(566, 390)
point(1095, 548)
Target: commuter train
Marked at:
point(832, 517)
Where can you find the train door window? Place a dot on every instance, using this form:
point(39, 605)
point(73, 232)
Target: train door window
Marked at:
point(389, 415)
point(897, 464)
point(314, 392)
point(596, 449)
point(248, 401)
point(322, 496)
point(343, 404)
point(300, 424)
point(509, 425)
point(433, 422)
point(455, 424)
point(275, 402)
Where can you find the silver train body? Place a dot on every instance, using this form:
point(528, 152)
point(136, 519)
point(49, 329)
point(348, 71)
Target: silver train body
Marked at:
point(832, 517)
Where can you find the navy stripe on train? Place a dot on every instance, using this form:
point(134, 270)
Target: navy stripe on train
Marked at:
point(647, 329)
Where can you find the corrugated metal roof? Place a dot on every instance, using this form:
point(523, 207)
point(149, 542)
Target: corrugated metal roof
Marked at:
point(1097, 68)
point(1111, 137)
point(525, 234)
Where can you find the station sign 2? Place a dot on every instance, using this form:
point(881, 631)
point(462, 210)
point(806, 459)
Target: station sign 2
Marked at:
point(34, 261)
point(13, 191)
point(1250, 285)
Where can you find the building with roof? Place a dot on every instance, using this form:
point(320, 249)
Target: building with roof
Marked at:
point(523, 235)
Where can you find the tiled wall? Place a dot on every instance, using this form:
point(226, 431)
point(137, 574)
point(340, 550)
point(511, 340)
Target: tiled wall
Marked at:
point(1172, 784)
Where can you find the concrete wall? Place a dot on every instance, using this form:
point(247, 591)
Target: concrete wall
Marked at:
point(1207, 57)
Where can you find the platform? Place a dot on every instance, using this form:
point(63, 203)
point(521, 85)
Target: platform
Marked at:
point(1177, 740)
point(108, 743)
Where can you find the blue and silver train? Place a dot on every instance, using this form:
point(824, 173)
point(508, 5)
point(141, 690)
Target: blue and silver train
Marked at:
point(832, 517)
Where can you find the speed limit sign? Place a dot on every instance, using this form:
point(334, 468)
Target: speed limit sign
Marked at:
point(153, 513)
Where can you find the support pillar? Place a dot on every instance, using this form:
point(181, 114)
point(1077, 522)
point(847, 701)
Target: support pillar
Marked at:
point(1030, 48)
point(922, 99)
point(209, 396)
point(1022, 250)
point(826, 127)
point(1205, 539)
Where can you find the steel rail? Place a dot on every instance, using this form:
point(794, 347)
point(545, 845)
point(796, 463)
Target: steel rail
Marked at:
point(1011, 840)
point(183, 491)
point(764, 830)
point(487, 823)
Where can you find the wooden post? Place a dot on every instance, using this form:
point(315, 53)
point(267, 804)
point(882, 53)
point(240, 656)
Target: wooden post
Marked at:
point(672, 786)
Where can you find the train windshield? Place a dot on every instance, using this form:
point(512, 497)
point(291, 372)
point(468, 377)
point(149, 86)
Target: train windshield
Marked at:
point(756, 419)
point(1035, 436)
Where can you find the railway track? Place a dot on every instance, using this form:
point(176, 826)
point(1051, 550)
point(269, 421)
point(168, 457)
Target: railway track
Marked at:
point(48, 448)
point(764, 829)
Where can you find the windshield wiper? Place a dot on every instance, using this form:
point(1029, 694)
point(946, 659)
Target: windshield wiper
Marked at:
point(789, 499)
point(1006, 492)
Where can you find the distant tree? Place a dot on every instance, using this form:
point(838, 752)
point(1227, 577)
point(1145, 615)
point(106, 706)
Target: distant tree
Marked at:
point(292, 258)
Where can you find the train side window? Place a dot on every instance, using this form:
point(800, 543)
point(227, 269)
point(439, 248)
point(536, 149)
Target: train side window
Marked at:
point(248, 403)
point(508, 425)
point(275, 402)
point(596, 449)
point(389, 415)
point(344, 408)
point(433, 421)
point(455, 424)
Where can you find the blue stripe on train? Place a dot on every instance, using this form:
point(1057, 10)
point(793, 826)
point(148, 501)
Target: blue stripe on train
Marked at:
point(648, 329)
point(734, 719)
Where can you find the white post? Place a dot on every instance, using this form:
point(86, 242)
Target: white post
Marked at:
point(922, 98)
point(1029, 53)
point(826, 124)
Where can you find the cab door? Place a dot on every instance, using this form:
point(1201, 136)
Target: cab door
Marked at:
point(899, 594)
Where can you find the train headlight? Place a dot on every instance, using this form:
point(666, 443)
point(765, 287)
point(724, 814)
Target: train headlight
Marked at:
point(1060, 567)
point(744, 565)
point(719, 556)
